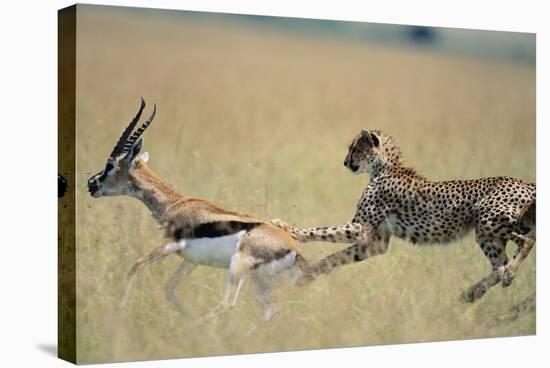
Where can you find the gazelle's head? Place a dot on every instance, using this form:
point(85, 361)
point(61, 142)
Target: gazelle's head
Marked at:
point(114, 178)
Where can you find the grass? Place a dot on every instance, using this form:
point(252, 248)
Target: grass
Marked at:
point(258, 121)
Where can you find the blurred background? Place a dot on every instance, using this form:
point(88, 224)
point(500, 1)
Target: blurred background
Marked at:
point(255, 114)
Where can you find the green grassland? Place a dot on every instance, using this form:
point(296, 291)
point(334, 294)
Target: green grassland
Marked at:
point(258, 121)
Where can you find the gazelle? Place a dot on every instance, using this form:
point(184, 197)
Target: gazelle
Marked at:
point(198, 230)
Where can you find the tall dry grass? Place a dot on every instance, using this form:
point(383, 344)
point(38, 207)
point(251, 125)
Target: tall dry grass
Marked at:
point(258, 121)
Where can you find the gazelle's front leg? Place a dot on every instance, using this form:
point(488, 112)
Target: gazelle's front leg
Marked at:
point(345, 233)
point(143, 261)
point(158, 253)
point(184, 269)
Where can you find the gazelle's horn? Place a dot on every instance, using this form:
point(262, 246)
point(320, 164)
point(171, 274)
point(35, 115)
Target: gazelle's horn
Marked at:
point(124, 137)
point(139, 131)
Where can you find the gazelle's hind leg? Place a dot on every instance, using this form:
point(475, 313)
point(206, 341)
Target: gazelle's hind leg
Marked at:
point(264, 297)
point(240, 266)
point(143, 261)
point(263, 286)
point(184, 269)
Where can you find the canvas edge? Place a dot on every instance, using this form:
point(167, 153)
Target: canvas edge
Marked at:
point(66, 314)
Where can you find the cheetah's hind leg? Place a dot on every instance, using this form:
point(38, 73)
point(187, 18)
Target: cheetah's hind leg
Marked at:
point(524, 307)
point(480, 288)
point(522, 241)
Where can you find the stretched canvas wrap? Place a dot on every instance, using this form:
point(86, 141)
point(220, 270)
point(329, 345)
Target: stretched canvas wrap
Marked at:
point(210, 201)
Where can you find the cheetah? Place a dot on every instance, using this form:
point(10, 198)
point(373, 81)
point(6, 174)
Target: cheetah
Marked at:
point(401, 202)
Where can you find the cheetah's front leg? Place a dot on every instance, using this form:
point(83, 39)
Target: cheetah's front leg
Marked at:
point(373, 245)
point(345, 233)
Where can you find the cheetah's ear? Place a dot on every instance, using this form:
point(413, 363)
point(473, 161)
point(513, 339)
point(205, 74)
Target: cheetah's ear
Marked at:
point(366, 139)
point(375, 140)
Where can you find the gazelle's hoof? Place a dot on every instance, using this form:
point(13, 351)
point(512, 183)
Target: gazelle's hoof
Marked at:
point(123, 300)
point(181, 310)
point(269, 313)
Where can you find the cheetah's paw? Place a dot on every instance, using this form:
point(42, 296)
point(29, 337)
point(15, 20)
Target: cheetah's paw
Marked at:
point(280, 224)
point(305, 279)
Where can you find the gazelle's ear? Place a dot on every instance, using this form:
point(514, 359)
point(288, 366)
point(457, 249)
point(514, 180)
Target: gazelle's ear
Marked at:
point(144, 156)
point(134, 151)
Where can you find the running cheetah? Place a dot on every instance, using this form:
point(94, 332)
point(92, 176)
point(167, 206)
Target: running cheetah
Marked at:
point(399, 201)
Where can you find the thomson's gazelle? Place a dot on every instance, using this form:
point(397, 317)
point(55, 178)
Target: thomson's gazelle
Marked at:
point(198, 230)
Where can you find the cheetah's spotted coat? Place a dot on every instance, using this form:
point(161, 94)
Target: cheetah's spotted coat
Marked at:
point(398, 201)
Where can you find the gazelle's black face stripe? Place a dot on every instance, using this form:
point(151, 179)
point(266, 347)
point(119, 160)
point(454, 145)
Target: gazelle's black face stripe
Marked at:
point(213, 229)
point(103, 175)
point(97, 179)
point(108, 169)
point(93, 183)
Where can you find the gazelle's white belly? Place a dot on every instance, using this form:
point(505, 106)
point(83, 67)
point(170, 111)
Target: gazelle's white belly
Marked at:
point(213, 252)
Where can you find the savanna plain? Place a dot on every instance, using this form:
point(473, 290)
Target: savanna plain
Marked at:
point(258, 120)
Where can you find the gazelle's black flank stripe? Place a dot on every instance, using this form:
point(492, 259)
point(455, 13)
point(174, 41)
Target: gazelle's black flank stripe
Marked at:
point(213, 229)
point(269, 256)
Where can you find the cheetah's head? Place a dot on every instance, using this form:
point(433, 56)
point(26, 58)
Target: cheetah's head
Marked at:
point(362, 152)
